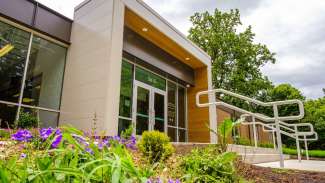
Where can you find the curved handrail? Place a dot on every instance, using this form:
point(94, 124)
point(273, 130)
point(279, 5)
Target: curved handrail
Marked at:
point(264, 104)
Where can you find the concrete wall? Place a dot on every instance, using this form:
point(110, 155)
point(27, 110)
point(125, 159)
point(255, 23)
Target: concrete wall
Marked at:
point(93, 67)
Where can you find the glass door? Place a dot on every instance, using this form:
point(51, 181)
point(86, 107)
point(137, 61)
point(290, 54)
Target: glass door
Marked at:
point(149, 111)
point(159, 111)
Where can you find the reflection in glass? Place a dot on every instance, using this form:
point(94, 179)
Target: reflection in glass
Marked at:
point(12, 64)
point(150, 78)
point(171, 104)
point(172, 134)
point(46, 118)
point(142, 115)
point(45, 74)
point(181, 135)
point(123, 124)
point(159, 112)
point(126, 90)
point(181, 107)
point(7, 115)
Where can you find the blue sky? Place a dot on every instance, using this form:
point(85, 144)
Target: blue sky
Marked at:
point(293, 29)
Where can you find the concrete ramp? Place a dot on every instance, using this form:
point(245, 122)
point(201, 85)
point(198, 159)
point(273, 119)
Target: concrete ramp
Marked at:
point(253, 155)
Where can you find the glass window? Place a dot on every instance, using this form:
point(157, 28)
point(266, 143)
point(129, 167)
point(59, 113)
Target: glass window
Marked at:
point(12, 61)
point(7, 115)
point(182, 135)
point(150, 78)
point(126, 90)
point(172, 134)
point(181, 107)
point(46, 118)
point(45, 74)
point(171, 104)
point(123, 124)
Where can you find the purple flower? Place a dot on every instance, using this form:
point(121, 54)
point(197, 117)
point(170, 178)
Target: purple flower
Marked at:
point(45, 132)
point(23, 155)
point(22, 136)
point(90, 151)
point(57, 139)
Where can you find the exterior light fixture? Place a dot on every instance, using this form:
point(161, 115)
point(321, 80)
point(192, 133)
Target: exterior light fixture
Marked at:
point(187, 58)
point(145, 29)
point(187, 86)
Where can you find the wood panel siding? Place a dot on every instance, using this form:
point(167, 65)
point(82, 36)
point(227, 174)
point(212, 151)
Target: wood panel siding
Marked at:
point(198, 118)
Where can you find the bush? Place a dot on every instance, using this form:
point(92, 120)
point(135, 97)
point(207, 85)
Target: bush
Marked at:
point(312, 153)
point(207, 165)
point(155, 146)
point(266, 145)
point(27, 120)
point(244, 141)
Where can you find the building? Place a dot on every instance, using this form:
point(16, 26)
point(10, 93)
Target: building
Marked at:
point(117, 60)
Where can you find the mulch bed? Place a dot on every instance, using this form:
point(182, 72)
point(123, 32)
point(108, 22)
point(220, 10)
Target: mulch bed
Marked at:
point(269, 175)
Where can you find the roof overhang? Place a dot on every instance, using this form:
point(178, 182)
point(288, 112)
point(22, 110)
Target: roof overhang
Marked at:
point(139, 16)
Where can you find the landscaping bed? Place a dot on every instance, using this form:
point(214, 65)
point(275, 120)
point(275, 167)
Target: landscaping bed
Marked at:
point(269, 175)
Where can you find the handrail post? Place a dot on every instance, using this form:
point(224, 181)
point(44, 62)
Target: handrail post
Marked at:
point(278, 134)
point(298, 144)
point(254, 131)
point(273, 136)
point(306, 147)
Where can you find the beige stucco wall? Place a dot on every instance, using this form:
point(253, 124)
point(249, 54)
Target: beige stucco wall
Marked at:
point(93, 67)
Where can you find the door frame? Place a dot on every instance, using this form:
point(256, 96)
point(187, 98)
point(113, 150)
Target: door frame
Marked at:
point(152, 91)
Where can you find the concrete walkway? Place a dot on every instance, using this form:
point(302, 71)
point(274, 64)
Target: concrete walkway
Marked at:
point(310, 165)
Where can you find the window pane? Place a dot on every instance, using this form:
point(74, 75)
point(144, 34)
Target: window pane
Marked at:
point(126, 90)
point(182, 135)
point(172, 134)
point(123, 124)
point(150, 78)
point(181, 107)
point(45, 74)
point(46, 118)
point(171, 104)
point(7, 115)
point(12, 62)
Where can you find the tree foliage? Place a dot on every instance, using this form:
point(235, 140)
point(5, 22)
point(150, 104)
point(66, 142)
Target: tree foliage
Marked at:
point(315, 114)
point(236, 59)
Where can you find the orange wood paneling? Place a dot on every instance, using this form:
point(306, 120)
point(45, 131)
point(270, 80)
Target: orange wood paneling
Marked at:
point(198, 118)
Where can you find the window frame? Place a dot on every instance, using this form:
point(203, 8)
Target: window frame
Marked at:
point(20, 103)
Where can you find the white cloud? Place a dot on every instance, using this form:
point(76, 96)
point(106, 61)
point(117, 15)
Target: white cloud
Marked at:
point(294, 29)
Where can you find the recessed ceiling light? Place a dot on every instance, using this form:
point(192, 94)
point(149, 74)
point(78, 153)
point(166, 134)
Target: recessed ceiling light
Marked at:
point(145, 29)
point(187, 86)
point(187, 58)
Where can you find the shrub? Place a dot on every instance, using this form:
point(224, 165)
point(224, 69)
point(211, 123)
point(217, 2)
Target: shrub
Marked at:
point(207, 165)
point(244, 141)
point(266, 145)
point(155, 146)
point(27, 120)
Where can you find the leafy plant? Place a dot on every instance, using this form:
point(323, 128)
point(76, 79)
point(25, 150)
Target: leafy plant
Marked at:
point(224, 131)
point(69, 156)
point(155, 146)
point(127, 133)
point(208, 165)
point(27, 120)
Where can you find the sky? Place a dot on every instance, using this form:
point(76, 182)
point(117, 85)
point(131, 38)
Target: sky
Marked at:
point(293, 29)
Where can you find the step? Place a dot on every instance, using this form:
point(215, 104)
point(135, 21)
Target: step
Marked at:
point(254, 155)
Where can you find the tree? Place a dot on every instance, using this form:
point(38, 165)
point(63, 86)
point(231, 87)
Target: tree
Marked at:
point(315, 114)
point(236, 59)
point(323, 90)
point(282, 92)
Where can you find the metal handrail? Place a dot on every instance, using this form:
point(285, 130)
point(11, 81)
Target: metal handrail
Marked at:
point(277, 120)
point(264, 104)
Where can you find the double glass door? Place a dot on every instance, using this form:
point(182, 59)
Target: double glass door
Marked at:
point(149, 108)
